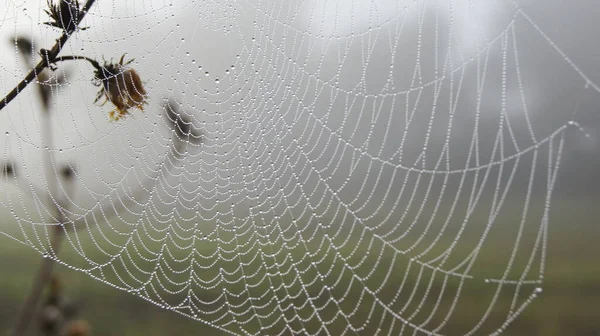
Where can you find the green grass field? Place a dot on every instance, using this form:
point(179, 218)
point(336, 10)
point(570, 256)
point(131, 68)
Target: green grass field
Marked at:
point(568, 304)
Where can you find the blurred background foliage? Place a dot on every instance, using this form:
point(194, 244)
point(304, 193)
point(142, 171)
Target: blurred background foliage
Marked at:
point(568, 304)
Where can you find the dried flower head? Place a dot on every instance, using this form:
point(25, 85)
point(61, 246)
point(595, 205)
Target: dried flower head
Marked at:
point(77, 328)
point(67, 172)
point(51, 319)
point(65, 14)
point(182, 123)
point(7, 169)
point(26, 48)
point(122, 86)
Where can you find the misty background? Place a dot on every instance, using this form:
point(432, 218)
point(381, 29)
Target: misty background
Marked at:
point(418, 123)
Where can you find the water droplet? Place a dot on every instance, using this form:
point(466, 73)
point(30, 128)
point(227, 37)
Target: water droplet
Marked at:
point(206, 74)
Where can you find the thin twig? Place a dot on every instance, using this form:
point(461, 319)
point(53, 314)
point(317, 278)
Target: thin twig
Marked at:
point(73, 58)
point(47, 59)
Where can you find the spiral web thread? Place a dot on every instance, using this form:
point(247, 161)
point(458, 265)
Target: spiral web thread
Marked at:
point(357, 167)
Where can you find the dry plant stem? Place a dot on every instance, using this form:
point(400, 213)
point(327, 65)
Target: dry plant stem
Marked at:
point(46, 59)
point(74, 58)
point(30, 307)
point(42, 278)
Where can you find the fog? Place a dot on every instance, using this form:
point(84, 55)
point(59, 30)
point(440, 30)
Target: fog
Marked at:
point(327, 96)
point(369, 140)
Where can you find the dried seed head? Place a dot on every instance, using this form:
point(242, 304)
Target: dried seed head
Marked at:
point(65, 14)
point(67, 173)
point(77, 328)
point(182, 123)
point(8, 169)
point(122, 86)
point(51, 319)
point(26, 48)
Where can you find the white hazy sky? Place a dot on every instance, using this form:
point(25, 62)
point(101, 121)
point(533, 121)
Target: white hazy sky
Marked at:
point(182, 47)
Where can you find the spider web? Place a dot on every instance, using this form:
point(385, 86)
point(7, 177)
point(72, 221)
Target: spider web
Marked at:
point(303, 167)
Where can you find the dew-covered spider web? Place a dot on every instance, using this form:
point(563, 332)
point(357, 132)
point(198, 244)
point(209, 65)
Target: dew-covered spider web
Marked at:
point(347, 167)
